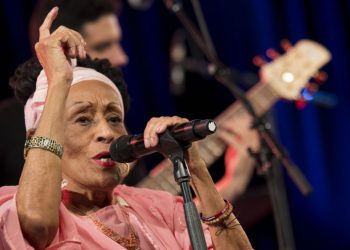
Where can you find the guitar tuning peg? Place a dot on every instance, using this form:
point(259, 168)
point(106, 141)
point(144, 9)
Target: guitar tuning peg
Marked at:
point(312, 87)
point(320, 77)
point(272, 53)
point(305, 96)
point(259, 61)
point(286, 45)
point(300, 103)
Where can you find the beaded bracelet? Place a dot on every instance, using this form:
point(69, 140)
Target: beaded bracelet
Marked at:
point(43, 143)
point(219, 217)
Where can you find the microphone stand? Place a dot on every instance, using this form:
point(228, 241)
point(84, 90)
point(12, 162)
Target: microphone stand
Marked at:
point(172, 149)
point(270, 152)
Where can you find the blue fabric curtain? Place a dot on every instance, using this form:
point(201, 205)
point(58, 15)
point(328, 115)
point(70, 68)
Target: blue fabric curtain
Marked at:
point(315, 136)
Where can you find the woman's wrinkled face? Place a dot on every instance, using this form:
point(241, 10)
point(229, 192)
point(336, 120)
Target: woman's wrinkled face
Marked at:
point(93, 119)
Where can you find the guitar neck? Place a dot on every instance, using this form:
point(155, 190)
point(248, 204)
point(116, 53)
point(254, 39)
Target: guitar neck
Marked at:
point(262, 98)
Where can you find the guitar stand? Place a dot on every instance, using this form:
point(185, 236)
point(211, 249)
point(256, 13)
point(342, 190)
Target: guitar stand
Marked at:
point(175, 151)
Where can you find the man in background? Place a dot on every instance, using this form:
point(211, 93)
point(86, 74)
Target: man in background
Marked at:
point(95, 20)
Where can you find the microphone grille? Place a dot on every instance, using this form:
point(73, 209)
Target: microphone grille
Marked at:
point(212, 126)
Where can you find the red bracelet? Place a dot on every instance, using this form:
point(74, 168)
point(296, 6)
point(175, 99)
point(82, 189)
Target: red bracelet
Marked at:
point(216, 216)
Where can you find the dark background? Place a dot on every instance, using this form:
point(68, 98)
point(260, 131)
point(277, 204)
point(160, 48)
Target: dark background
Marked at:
point(316, 137)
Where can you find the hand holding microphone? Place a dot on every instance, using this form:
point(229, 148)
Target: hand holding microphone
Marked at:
point(128, 148)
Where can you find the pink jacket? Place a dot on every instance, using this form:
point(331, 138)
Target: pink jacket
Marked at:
point(160, 216)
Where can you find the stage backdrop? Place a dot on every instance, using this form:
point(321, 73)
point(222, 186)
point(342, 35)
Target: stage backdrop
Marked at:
point(315, 136)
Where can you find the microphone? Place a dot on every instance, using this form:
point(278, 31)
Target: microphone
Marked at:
point(128, 148)
point(180, 63)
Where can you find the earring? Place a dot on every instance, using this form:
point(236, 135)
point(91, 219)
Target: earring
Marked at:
point(64, 183)
point(126, 172)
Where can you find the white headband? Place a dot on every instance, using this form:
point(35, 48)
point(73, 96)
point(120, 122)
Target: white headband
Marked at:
point(35, 104)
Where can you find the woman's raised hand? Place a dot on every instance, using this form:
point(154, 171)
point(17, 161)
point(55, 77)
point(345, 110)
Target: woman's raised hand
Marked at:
point(54, 50)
